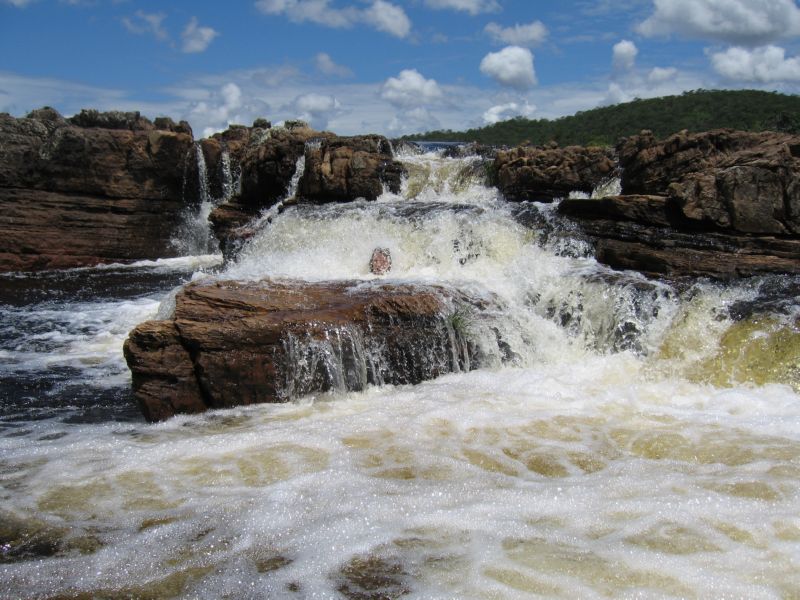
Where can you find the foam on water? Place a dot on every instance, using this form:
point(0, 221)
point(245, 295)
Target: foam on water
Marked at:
point(630, 452)
point(563, 480)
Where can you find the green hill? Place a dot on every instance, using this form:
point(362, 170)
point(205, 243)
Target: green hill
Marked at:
point(698, 110)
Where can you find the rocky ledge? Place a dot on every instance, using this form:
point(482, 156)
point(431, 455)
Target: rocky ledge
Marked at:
point(720, 203)
point(99, 187)
point(335, 169)
point(236, 343)
point(547, 172)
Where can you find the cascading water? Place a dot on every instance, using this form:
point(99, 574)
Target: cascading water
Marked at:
point(194, 235)
point(621, 437)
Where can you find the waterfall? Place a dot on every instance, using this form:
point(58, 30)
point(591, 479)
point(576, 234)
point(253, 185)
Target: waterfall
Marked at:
point(194, 235)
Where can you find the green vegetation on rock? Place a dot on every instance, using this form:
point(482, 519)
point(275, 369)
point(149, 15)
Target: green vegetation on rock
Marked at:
point(700, 110)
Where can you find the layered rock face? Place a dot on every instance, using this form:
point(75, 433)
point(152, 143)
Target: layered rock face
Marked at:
point(336, 169)
point(267, 162)
point(100, 187)
point(545, 173)
point(346, 168)
point(721, 204)
point(234, 343)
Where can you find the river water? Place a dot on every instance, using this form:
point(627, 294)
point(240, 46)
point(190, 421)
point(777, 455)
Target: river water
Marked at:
point(628, 439)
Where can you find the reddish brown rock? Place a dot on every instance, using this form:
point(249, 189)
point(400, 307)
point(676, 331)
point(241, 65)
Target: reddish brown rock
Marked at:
point(380, 262)
point(267, 161)
point(719, 204)
point(721, 180)
point(234, 343)
point(544, 173)
point(341, 169)
point(76, 196)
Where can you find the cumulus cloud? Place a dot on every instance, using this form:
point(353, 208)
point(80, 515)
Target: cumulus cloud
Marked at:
point(410, 89)
point(388, 18)
point(326, 65)
point(414, 120)
point(531, 34)
point(219, 110)
point(767, 64)
point(624, 56)
point(196, 38)
point(146, 23)
point(316, 109)
point(512, 67)
point(380, 14)
point(615, 95)
point(661, 74)
point(740, 22)
point(503, 112)
point(472, 7)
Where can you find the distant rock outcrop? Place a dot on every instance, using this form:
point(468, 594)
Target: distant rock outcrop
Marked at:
point(99, 187)
point(547, 172)
point(235, 343)
point(721, 203)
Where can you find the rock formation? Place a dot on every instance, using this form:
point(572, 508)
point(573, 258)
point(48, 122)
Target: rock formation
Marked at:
point(99, 187)
point(721, 203)
point(336, 169)
point(267, 162)
point(234, 343)
point(346, 168)
point(545, 173)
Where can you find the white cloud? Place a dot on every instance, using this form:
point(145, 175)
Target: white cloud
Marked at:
point(509, 110)
point(19, 3)
point(196, 38)
point(411, 121)
point(388, 18)
point(218, 110)
point(316, 109)
point(615, 95)
point(531, 34)
point(143, 22)
point(380, 14)
point(472, 7)
point(740, 22)
point(512, 66)
point(662, 74)
point(624, 56)
point(327, 66)
point(767, 64)
point(410, 89)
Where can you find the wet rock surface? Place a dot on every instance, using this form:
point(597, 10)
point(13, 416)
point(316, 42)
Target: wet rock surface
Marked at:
point(235, 343)
point(547, 172)
point(721, 204)
point(346, 168)
point(100, 187)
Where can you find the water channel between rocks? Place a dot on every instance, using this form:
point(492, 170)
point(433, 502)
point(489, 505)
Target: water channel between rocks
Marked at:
point(628, 438)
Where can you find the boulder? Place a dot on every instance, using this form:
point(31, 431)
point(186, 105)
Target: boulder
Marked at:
point(341, 169)
point(234, 343)
point(76, 195)
point(547, 172)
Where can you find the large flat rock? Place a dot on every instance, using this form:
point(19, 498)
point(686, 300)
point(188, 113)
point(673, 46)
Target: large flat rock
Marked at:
point(237, 343)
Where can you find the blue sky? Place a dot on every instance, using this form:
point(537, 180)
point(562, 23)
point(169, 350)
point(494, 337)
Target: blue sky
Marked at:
point(385, 66)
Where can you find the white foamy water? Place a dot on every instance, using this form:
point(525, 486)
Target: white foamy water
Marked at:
point(631, 443)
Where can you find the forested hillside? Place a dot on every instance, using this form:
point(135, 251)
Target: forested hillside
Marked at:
point(698, 110)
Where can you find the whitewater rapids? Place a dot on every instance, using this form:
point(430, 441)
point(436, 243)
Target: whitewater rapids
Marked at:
point(635, 439)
